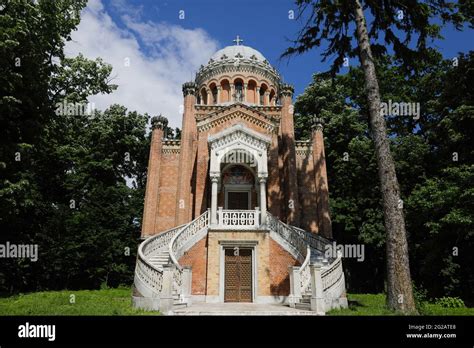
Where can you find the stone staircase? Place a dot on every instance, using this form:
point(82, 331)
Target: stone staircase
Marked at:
point(160, 258)
point(162, 283)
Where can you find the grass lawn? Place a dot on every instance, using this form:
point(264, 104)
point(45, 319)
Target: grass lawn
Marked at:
point(87, 302)
point(118, 302)
point(374, 304)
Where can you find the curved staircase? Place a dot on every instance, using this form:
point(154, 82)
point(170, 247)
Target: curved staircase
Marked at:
point(161, 283)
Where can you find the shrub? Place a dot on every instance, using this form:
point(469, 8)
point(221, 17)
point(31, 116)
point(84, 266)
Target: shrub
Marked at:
point(450, 302)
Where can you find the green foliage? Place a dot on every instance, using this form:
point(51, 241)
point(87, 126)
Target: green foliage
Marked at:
point(374, 304)
point(86, 302)
point(450, 302)
point(405, 27)
point(421, 299)
point(72, 184)
point(437, 191)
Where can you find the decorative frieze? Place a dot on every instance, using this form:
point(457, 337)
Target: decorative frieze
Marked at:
point(303, 147)
point(229, 66)
point(171, 146)
point(269, 123)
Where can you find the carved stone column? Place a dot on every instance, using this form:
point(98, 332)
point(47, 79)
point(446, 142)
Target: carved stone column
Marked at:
point(263, 199)
point(257, 95)
point(214, 181)
point(232, 92)
point(266, 98)
point(219, 88)
point(244, 99)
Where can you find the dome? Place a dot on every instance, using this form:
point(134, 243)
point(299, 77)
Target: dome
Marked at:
point(238, 51)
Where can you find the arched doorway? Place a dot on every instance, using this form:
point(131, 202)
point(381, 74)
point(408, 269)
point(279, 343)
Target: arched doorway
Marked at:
point(238, 188)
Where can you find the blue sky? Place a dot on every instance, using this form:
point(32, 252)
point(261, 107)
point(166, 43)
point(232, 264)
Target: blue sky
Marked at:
point(152, 32)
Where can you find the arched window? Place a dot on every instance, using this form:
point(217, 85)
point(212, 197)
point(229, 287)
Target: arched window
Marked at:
point(225, 92)
point(272, 97)
point(203, 96)
point(263, 89)
point(213, 88)
point(251, 91)
point(239, 90)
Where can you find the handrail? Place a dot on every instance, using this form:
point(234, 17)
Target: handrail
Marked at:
point(148, 274)
point(304, 270)
point(332, 274)
point(203, 219)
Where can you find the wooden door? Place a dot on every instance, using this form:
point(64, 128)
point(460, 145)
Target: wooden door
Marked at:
point(238, 275)
point(238, 200)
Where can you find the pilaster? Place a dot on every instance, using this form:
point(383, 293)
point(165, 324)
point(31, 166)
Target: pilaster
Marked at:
point(321, 179)
point(186, 158)
point(288, 155)
point(150, 210)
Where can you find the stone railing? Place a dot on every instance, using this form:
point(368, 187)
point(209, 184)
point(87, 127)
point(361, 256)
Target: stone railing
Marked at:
point(333, 278)
point(325, 283)
point(182, 241)
point(238, 219)
point(148, 278)
point(290, 239)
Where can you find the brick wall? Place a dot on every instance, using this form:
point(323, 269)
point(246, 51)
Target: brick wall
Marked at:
point(280, 260)
point(165, 217)
point(196, 257)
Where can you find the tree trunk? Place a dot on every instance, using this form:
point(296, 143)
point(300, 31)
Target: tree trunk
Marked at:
point(399, 287)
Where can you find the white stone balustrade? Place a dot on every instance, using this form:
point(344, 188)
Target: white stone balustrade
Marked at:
point(238, 219)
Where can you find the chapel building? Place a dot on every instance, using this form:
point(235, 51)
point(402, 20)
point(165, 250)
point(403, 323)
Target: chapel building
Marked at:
point(237, 210)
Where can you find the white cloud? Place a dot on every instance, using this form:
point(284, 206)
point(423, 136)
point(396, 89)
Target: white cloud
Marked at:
point(162, 57)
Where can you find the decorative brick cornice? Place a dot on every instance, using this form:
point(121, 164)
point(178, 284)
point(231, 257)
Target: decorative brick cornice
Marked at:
point(171, 146)
point(237, 111)
point(303, 147)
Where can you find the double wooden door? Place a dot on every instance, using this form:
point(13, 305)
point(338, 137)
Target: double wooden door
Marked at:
point(238, 275)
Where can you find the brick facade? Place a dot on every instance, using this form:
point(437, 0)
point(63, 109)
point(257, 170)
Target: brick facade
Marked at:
point(179, 186)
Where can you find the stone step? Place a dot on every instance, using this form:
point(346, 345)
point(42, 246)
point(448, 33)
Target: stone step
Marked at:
point(303, 305)
point(179, 306)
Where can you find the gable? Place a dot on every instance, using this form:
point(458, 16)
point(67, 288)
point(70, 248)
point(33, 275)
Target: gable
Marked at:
point(238, 113)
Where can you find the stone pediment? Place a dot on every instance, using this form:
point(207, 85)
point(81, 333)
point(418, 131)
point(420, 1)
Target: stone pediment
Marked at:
point(237, 111)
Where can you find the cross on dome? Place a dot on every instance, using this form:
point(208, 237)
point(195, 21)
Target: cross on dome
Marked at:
point(238, 40)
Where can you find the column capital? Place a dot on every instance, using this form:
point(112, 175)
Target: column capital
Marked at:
point(159, 122)
point(287, 90)
point(262, 178)
point(317, 123)
point(214, 177)
point(189, 88)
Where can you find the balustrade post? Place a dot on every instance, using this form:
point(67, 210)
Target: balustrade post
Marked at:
point(295, 285)
point(256, 221)
point(187, 284)
point(317, 299)
point(214, 180)
point(166, 295)
point(263, 200)
point(220, 221)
